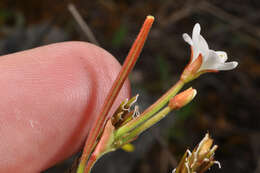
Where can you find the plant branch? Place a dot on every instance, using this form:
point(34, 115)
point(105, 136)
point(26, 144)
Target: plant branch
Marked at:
point(128, 65)
point(83, 25)
point(137, 131)
point(149, 112)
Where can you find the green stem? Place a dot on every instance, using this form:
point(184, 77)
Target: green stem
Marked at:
point(156, 118)
point(148, 113)
point(81, 168)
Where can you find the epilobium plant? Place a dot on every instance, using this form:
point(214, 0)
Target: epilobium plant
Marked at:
point(200, 159)
point(126, 124)
point(204, 59)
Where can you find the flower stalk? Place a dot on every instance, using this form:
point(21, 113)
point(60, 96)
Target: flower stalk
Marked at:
point(103, 146)
point(110, 142)
point(181, 100)
point(126, 124)
point(149, 112)
point(128, 65)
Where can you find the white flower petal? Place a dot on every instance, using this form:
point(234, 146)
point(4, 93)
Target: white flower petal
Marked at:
point(196, 31)
point(203, 48)
point(187, 38)
point(215, 62)
point(227, 66)
point(222, 55)
point(195, 39)
point(211, 62)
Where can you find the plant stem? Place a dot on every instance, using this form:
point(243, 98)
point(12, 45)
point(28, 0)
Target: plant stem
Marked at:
point(149, 112)
point(156, 118)
point(128, 65)
point(92, 160)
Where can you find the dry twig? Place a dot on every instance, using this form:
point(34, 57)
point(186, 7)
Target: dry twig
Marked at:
point(83, 25)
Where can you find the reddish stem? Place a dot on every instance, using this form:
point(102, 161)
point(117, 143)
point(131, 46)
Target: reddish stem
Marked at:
point(92, 160)
point(128, 65)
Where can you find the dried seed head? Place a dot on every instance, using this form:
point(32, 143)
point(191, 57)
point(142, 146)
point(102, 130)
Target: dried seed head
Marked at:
point(136, 112)
point(200, 159)
point(124, 112)
point(131, 102)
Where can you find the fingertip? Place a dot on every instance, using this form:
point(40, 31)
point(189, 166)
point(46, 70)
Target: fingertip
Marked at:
point(55, 92)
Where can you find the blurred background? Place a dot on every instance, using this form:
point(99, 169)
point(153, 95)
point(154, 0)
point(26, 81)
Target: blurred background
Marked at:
point(227, 103)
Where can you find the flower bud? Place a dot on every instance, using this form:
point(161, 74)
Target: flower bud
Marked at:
point(182, 99)
point(123, 112)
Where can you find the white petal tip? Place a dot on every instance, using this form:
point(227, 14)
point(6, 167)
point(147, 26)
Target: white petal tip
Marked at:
point(187, 39)
point(232, 65)
point(235, 64)
point(228, 66)
point(197, 28)
point(197, 25)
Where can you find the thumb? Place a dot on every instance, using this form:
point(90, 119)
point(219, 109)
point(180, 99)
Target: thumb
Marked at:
point(49, 97)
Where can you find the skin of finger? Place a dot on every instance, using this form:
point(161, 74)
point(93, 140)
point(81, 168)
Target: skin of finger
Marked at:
point(49, 98)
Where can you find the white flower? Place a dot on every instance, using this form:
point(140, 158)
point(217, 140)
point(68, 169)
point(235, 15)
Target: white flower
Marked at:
point(211, 60)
